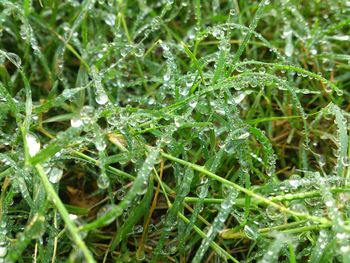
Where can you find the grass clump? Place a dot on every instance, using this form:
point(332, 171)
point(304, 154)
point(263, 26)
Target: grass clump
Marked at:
point(174, 131)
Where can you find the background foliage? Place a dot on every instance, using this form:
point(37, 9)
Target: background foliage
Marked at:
point(174, 131)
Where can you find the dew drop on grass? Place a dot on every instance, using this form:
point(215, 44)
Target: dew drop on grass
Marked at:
point(189, 82)
point(321, 160)
point(313, 51)
point(340, 92)
point(3, 250)
point(105, 210)
point(345, 161)
point(270, 170)
point(342, 37)
point(204, 180)
point(100, 144)
point(341, 235)
point(171, 249)
point(101, 97)
point(55, 175)
point(329, 203)
point(273, 213)
point(102, 181)
point(137, 229)
point(33, 144)
point(289, 49)
point(87, 114)
point(178, 121)
point(299, 207)
point(143, 189)
point(73, 217)
point(202, 191)
point(225, 205)
point(193, 103)
point(345, 249)
point(251, 232)
point(294, 183)
point(217, 32)
point(166, 77)
point(139, 50)
point(76, 122)
point(241, 96)
point(15, 59)
point(244, 136)
point(314, 201)
point(110, 19)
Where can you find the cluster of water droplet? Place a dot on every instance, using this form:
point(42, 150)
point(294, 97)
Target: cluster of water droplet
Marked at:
point(3, 241)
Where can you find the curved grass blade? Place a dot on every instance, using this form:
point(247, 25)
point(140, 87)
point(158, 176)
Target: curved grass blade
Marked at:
point(136, 214)
point(182, 192)
point(216, 226)
point(138, 184)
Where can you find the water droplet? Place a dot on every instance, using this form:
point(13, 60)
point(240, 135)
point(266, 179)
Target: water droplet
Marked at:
point(273, 213)
point(244, 136)
point(202, 191)
point(329, 203)
point(345, 161)
point(341, 235)
point(120, 194)
point(105, 210)
point(100, 144)
point(166, 77)
point(144, 188)
point(178, 121)
point(101, 97)
point(299, 207)
point(270, 170)
point(193, 103)
point(225, 205)
point(109, 19)
point(171, 249)
point(103, 181)
point(139, 50)
point(87, 114)
point(73, 217)
point(217, 32)
point(33, 144)
point(251, 232)
point(67, 93)
point(345, 249)
point(339, 92)
point(289, 49)
point(137, 229)
point(24, 32)
point(341, 37)
point(15, 59)
point(55, 175)
point(76, 122)
point(321, 160)
point(3, 250)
